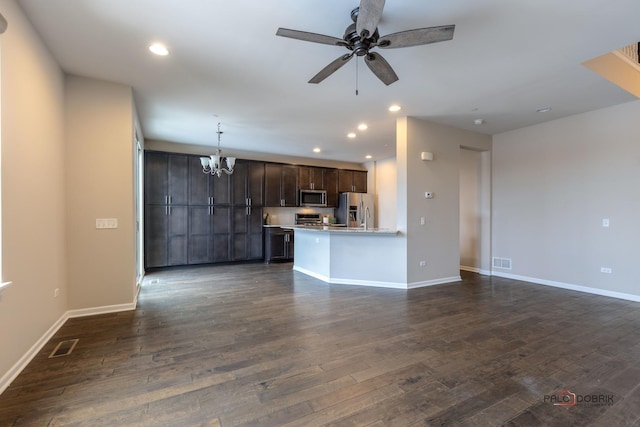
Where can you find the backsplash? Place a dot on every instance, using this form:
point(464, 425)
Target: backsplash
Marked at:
point(287, 216)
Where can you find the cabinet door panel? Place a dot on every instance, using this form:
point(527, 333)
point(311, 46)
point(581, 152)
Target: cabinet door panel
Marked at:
point(156, 235)
point(272, 179)
point(239, 185)
point(290, 189)
point(360, 181)
point(178, 179)
point(178, 235)
point(221, 189)
point(256, 184)
point(199, 235)
point(220, 238)
point(345, 181)
point(331, 185)
point(199, 192)
point(156, 178)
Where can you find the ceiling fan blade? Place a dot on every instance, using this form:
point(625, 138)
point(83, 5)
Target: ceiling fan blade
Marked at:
point(381, 68)
point(369, 15)
point(417, 37)
point(331, 68)
point(310, 37)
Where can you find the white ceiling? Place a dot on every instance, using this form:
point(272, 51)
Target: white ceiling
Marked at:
point(507, 59)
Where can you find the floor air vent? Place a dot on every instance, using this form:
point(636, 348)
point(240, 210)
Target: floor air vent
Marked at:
point(503, 263)
point(64, 348)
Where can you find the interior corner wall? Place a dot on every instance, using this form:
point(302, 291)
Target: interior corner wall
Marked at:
point(554, 183)
point(33, 193)
point(470, 209)
point(100, 181)
point(437, 242)
point(386, 193)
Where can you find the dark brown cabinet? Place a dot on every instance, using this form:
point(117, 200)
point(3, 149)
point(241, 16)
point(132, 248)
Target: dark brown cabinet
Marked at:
point(207, 189)
point(311, 178)
point(248, 199)
point(351, 181)
point(165, 235)
point(209, 234)
point(331, 185)
point(166, 211)
point(281, 185)
point(166, 179)
point(278, 244)
point(197, 218)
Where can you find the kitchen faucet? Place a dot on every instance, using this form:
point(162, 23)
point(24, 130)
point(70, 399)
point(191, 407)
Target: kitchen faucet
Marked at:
point(367, 214)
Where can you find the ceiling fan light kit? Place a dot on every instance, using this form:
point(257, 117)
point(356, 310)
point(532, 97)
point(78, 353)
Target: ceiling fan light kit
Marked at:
point(362, 36)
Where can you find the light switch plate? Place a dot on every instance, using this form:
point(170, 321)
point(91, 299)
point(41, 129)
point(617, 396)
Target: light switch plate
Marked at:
point(106, 223)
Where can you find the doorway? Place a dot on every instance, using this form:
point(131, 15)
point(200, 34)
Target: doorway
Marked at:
point(475, 211)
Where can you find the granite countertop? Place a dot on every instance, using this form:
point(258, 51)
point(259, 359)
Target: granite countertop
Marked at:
point(345, 230)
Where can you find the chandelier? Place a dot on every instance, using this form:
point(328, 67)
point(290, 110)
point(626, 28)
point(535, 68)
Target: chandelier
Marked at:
point(216, 164)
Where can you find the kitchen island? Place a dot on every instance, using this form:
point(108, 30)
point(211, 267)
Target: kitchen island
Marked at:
point(351, 256)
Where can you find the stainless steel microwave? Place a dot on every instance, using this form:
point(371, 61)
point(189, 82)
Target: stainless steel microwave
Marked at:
point(313, 198)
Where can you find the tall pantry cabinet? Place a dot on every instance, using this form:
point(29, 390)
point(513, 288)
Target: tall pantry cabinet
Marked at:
point(196, 218)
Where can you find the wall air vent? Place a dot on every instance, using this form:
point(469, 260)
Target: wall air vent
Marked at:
point(503, 263)
point(64, 348)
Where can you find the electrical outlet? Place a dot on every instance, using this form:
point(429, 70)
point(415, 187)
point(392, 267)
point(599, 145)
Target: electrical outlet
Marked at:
point(56, 292)
point(422, 220)
point(605, 270)
point(605, 222)
point(423, 263)
point(428, 195)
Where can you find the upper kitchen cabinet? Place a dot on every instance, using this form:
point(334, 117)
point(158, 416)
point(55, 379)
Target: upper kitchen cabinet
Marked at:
point(206, 189)
point(281, 185)
point(351, 181)
point(166, 178)
point(248, 183)
point(311, 178)
point(331, 185)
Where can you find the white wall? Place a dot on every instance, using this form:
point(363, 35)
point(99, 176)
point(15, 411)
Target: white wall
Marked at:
point(437, 242)
point(100, 183)
point(33, 193)
point(554, 183)
point(387, 193)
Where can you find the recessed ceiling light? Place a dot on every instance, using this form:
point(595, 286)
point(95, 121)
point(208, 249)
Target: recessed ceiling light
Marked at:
point(159, 49)
point(395, 107)
point(316, 150)
point(368, 156)
point(351, 135)
point(478, 121)
point(363, 126)
point(543, 110)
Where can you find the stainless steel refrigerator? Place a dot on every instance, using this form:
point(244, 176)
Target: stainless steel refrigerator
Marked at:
point(355, 210)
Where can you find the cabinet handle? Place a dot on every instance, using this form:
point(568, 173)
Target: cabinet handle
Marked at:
point(166, 210)
point(169, 210)
point(249, 201)
point(166, 199)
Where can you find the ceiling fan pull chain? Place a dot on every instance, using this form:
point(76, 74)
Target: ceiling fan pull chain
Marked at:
point(357, 62)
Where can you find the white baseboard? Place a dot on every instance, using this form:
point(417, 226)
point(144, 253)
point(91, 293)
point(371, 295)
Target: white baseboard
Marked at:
point(374, 283)
point(434, 282)
point(22, 363)
point(568, 286)
point(475, 270)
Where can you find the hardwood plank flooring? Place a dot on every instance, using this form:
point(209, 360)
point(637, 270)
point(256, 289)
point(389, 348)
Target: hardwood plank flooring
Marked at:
point(261, 345)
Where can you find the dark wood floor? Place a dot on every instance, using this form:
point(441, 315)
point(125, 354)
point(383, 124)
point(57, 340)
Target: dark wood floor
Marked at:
point(262, 345)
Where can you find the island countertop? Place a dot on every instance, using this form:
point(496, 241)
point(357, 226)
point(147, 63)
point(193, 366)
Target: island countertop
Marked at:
point(350, 256)
point(345, 230)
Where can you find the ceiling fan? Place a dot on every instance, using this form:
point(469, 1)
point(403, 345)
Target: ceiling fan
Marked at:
point(362, 36)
